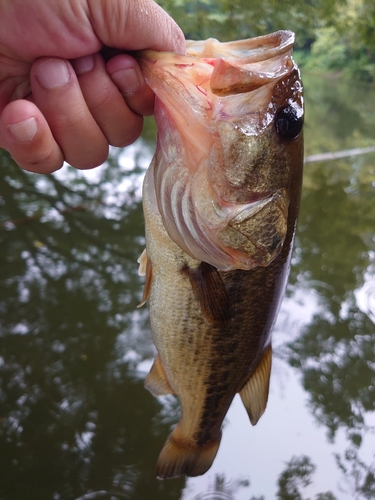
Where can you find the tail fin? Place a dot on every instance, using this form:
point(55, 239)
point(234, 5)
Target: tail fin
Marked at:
point(180, 457)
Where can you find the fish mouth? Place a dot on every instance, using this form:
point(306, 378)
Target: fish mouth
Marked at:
point(255, 235)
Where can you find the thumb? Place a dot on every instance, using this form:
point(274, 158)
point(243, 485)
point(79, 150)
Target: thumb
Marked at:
point(135, 25)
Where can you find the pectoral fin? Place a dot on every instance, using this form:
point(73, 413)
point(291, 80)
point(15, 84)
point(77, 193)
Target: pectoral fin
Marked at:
point(142, 261)
point(145, 269)
point(209, 289)
point(156, 381)
point(254, 394)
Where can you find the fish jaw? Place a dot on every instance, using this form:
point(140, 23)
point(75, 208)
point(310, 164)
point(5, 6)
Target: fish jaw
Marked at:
point(219, 151)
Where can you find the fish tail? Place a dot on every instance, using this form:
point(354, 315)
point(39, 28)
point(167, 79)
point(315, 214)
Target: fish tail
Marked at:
point(180, 456)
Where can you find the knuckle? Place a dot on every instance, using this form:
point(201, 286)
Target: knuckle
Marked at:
point(45, 161)
point(89, 160)
point(128, 135)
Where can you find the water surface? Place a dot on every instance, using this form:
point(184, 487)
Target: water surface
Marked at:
point(75, 419)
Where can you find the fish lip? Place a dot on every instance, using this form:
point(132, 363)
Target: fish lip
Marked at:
point(252, 50)
point(271, 45)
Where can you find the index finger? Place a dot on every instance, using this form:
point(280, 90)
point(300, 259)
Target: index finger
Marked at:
point(135, 25)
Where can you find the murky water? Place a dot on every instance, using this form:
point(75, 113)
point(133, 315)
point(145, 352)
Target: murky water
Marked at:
point(75, 419)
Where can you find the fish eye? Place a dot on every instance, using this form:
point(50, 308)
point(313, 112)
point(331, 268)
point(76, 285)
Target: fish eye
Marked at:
point(289, 121)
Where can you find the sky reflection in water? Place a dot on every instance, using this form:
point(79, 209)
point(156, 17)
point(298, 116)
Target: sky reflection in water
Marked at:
point(75, 420)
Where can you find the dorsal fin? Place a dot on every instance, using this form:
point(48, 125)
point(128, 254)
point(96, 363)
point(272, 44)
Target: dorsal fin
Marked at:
point(145, 269)
point(254, 394)
point(156, 381)
point(209, 289)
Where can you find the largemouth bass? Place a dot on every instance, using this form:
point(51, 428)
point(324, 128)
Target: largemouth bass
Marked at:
point(220, 201)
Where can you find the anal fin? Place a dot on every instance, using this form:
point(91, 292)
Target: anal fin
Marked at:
point(254, 394)
point(145, 269)
point(156, 381)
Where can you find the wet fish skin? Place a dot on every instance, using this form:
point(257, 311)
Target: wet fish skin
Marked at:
point(205, 364)
point(211, 323)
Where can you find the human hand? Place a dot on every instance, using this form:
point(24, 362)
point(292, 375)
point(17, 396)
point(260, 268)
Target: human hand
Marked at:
point(59, 99)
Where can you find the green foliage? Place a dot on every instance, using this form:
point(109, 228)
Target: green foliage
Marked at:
point(329, 50)
point(338, 50)
point(235, 19)
point(331, 35)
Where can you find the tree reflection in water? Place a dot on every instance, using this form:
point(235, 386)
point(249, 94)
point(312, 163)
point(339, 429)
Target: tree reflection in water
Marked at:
point(298, 474)
point(68, 341)
point(336, 351)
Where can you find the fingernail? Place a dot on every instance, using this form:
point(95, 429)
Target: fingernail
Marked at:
point(24, 131)
point(53, 74)
point(127, 80)
point(83, 65)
